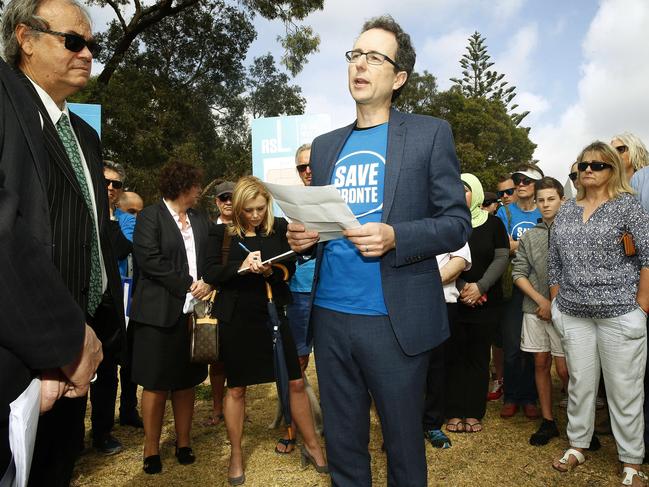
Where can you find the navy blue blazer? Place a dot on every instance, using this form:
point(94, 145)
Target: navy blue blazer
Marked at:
point(424, 202)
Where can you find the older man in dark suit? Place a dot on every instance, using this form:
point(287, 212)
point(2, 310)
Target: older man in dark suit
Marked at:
point(378, 300)
point(50, 43)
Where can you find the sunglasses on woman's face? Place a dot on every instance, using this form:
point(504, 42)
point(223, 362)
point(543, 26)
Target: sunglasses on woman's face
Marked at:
point(621, 149)
point(116, 183)
point(573, 176)
point(594, 166)
point(225, 197)
point(302, 167)
point(508, 192)
point(519, 179)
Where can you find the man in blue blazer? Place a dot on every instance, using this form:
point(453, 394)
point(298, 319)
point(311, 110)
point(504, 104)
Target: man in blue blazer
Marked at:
point(378, 301)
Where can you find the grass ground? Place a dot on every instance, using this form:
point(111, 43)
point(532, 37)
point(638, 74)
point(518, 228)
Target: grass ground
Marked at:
point(498, 456)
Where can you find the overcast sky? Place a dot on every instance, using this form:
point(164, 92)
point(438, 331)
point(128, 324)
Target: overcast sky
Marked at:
point(580, 66)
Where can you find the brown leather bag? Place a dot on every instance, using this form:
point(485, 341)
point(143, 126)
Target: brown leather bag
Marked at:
point(204, 333)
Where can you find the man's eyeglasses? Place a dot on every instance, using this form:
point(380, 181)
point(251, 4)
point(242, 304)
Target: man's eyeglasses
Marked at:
point(372, 57)
point(621, 149)
point(302, 167)
point(573, 176)
point(73, 42)
point(508, 192)
point(225, 197)
point(594, 165)
point(520, 179)
point(116, 183)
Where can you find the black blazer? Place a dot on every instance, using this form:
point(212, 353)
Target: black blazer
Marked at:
point(41, 324)
point(233, 286)
point(159, 251)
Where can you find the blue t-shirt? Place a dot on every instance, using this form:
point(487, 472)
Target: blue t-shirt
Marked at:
point(520, 221)
point(349, 282)
point(127, 226)
point(302, 280)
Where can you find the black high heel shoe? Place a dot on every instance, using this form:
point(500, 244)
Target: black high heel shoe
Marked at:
point(306, 458)
point(152, 464)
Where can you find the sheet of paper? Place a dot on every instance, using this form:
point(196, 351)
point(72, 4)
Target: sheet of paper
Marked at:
point(23, 422)
point(320, 208)
point(272, 260)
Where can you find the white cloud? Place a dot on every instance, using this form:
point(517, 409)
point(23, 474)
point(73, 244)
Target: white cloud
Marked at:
point(515, 62)
point(612, 92)
point(441, 55)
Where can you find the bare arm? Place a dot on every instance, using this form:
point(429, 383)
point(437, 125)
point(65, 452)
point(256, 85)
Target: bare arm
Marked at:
point(452, 270)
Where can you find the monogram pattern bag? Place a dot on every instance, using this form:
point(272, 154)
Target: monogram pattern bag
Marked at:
point(204, 333)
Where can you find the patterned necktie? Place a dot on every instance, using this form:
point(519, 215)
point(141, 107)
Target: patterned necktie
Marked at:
point(66, 135)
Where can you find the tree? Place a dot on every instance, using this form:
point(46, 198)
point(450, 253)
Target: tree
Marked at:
point(418, 94)
point(299, 41)
point(479, 81)
point(183, 90)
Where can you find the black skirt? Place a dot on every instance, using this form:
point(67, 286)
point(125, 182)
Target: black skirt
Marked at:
point(161, 357)
point(247, 351)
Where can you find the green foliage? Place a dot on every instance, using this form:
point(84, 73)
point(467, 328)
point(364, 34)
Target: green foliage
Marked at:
point(418, 94)
point(183, 91)
point(479, 81)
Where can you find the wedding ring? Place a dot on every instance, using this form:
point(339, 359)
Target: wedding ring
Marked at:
point(367, 249)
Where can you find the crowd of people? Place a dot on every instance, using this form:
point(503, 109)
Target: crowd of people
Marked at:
point(407, 310)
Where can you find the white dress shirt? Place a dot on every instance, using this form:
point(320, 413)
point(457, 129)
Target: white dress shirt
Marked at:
point(451, 292)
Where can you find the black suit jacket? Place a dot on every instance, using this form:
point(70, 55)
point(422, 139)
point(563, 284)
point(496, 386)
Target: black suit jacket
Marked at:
point(41, 324)
point(159, 251)
point(72, 223)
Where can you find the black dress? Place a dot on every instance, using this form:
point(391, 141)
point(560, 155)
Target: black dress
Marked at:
point(241, 307)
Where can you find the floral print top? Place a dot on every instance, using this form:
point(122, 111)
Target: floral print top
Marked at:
point(587, 260)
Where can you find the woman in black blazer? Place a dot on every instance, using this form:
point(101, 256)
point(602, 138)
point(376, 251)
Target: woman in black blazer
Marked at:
point(246, 343)
point(170, 245)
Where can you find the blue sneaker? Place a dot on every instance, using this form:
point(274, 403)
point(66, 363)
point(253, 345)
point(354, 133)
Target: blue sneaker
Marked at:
point(437, 438)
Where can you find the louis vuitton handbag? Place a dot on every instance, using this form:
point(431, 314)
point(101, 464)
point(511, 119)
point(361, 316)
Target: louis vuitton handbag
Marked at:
point(204, 333)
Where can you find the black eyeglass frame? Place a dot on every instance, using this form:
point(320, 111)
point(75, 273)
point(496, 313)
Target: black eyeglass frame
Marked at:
point(526, 180)
point(508, 192)
point(73, 42)
point(117, 184)
point(594, 165)
point(225, 197)
point(348, 56)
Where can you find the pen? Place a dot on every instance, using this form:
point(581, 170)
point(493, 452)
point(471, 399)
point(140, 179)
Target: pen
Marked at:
point(244, 247)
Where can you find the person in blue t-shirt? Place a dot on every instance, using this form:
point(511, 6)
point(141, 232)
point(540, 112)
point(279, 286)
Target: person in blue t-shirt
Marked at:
point(379, 306)
point(519, 217)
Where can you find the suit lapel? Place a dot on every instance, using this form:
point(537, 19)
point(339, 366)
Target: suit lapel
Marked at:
point(197, 229)
point(325, 166)
point(52, 141)
point(393, 160)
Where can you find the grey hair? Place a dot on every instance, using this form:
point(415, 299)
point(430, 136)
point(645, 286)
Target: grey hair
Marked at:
point(302, 148)
point(117, 167)
point(638, 154)
point(24, 12)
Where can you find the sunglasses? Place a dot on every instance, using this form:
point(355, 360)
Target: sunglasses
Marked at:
point(573, 176)
point(225, 197)
point(73, 42)
point(302, 167)
point(508, 192)
point(116, 184)
point(621, 149)
point(519, 179)
point(594, 165)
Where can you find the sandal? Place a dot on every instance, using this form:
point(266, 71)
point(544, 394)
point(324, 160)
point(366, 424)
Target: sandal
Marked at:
point(214, 420)
point(629, 477)
point(472, 427)
point(289, 446)
point(563, 464)
point(455, 426)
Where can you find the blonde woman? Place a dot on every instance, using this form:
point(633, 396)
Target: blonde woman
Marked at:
point(599, 306)
point(246, 344)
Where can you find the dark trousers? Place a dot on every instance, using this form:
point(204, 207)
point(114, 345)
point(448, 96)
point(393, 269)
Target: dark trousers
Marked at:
point(520, 386)
point(58, 443)
point(103, 395)
point(434, 402)
point(128, 395)
point(467, 354)
point(5, 451)
point(359, 359)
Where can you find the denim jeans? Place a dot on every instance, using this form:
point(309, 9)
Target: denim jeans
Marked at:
point(520, 387)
